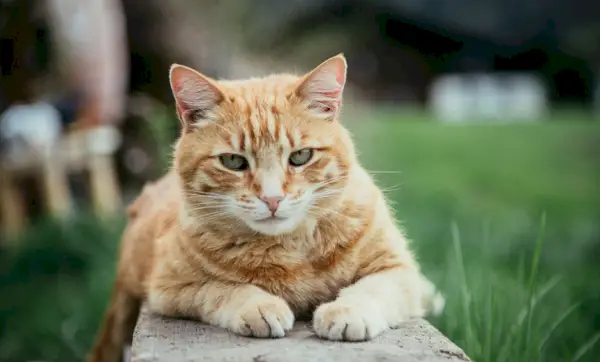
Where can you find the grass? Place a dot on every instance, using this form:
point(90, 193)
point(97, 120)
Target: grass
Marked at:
point(504, 218)
point(54, 288)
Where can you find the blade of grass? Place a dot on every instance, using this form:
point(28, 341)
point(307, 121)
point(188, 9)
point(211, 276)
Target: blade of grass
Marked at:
point(556, 324)
point(586, 347)
point(490, 324)
point(489, 307)
point(532, 301)
point(521, 269)
point(533, 277)
point(515, 333)
point(466, 296)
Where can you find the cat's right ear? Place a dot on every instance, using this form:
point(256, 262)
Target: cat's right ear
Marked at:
point(195, 94)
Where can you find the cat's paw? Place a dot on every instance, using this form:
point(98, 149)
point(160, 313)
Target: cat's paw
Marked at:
point(263, 316)
point(343, 321)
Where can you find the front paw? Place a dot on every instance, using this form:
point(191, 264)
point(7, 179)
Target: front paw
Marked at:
point(343, 321)
point(263, 316)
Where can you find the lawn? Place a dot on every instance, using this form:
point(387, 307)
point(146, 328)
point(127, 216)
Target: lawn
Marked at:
point(504, 218)
point(479, 201)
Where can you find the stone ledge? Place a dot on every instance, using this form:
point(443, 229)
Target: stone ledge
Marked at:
point(171, 340)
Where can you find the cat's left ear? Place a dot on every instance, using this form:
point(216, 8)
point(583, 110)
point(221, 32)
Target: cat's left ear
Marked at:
point(324, 85)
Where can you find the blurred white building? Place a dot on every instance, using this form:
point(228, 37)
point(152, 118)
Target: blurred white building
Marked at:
point(485, 97)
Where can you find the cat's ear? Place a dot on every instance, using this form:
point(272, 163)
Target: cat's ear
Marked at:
point(324, 85)
point(195, 94)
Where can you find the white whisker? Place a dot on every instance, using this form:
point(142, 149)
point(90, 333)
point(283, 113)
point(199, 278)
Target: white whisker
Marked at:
point(331, 211)
point(391, 188)
point(209, 196)
point(200, 202)
point(383, 171)
point(208, 202)
point(331, 180)
point(204, 208)
point(325, 194)
point(211, 216)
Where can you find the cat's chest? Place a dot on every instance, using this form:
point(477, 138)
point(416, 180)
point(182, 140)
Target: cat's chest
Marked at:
point(305, 285)
point(304, 276)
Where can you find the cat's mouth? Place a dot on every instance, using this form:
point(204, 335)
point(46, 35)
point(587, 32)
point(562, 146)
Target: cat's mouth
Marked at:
point(271, 219)
point(273, 225)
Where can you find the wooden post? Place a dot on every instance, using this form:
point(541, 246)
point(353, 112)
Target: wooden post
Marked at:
point(56, 186)
point(12, 213)
point(106, 196)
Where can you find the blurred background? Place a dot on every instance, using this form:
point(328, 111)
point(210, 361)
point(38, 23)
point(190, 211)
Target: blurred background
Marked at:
point(479, 118)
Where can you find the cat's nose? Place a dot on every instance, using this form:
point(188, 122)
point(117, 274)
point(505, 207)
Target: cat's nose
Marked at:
point(272, 202)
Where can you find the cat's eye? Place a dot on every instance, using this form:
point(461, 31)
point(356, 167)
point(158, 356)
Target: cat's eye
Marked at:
point(234, 162)
point(301, 157)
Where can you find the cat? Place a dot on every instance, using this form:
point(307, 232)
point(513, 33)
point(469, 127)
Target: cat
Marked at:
point(265, 217)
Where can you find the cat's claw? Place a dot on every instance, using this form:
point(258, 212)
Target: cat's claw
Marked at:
point(338, 321)
point(265, 316)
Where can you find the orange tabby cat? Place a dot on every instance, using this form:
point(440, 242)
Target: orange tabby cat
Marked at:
point(265, 216)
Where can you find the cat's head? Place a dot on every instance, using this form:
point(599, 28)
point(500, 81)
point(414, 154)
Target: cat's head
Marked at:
point(268, 153)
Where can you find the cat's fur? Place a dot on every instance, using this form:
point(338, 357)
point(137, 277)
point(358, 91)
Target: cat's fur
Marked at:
point(195, 245)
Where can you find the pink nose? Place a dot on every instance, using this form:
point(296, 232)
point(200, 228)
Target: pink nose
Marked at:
point(272, 202)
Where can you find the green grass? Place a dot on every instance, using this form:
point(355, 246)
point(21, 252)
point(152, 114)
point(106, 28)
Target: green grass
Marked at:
point(472, 198)
point(54, 287)
point(504, 218)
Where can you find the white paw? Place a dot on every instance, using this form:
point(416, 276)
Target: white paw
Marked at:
point(343, 321)
point(263, 316)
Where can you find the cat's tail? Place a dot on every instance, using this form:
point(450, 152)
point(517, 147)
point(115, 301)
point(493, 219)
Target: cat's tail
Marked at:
point(433, 301)
point(117, 329)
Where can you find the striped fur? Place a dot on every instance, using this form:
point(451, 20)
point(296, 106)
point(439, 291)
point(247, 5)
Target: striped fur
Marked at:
point(197, 244)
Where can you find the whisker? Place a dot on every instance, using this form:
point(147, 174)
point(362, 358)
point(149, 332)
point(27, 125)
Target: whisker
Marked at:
point(331, 180)
point(332, 211)
point(383, 171)
point(204, 208)
point(209, 196)
point(212, 216)
point(197, 192)
point(207, 202)
point(339, 177)
point(325, 194)
point(391, 188)
point(332, 190)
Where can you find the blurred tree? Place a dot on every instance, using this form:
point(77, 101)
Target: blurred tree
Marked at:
point(17, 49)
point(412, 42)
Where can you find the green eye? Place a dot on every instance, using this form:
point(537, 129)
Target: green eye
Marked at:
point(234, 162)
point(301, 157)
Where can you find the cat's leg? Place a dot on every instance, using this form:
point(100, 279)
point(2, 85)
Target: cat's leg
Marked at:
point(241, 308)
point(373, 304)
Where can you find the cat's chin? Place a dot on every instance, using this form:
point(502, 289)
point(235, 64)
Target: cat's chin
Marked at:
point(273, 225)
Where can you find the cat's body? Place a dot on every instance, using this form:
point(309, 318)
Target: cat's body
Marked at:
point(250, 230)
